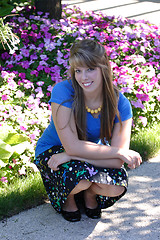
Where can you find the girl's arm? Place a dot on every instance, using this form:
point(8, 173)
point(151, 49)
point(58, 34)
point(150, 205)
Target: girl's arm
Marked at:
point(66, 129)
point(120, 138)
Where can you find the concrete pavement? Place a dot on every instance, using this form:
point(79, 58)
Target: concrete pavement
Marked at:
point(135, 217)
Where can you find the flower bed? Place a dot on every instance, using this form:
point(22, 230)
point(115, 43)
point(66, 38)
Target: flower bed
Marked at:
point(28, 75)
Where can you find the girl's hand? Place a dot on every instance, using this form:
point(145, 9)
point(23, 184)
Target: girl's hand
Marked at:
point(132, 158)
point(58, 159)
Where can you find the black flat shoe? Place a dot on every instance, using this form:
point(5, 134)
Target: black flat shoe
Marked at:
point(93, 213)
point(71, 216)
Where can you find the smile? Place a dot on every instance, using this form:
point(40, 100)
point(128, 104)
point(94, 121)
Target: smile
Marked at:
point(87, 84)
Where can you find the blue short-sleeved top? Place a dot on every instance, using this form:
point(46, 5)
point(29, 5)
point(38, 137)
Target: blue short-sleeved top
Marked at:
point(63, 93)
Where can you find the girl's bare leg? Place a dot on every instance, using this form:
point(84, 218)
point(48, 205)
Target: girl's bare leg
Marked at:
point(70, 204)
point(100, 189)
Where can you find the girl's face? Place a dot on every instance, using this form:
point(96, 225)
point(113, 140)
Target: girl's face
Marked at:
point(89, 79)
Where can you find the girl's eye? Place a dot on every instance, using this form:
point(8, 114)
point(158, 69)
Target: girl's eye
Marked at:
point(90, 69)
point(77, 70)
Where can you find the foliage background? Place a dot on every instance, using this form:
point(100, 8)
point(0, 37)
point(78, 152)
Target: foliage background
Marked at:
point(27, 76)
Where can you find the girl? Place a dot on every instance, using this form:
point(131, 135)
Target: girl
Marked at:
point(87, 141)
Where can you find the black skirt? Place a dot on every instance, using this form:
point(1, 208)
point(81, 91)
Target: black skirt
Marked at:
point(59, 184)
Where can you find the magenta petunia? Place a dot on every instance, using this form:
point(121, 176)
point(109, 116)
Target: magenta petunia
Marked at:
point(143, 97)
point(4, 97)
point(22, 75)
point(4, 179)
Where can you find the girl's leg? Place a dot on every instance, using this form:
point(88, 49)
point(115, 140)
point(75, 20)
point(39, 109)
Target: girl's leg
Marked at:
point(101, 189)
point(70, 204)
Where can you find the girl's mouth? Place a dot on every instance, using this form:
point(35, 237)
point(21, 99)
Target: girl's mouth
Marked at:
point(87, 84)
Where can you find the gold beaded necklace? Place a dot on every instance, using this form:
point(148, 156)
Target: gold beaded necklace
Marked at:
point(97, 110)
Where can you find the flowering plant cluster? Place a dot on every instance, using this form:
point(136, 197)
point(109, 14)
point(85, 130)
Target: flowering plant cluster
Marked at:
point(28, 75)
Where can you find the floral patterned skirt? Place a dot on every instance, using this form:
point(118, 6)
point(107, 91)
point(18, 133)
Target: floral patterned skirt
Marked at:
point(60, 183)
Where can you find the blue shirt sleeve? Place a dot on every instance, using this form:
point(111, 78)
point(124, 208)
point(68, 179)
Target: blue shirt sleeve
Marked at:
point(125, 109)
point(62, 93)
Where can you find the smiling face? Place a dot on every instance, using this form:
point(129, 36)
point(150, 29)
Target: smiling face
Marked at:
point(89, 79)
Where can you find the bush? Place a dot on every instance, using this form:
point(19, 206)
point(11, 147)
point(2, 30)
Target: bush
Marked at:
point(42, 59)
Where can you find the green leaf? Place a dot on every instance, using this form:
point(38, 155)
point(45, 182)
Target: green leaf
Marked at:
point(9, 136)
point(6, 151)
point(21, 147)
point(14, 139)
point(2, 164)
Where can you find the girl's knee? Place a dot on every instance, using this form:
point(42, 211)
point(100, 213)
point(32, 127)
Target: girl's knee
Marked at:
point(109, 190)
point(84, 184)
point(81, 186)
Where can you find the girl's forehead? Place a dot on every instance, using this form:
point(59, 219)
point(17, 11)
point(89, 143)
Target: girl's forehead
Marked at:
point(81, 67)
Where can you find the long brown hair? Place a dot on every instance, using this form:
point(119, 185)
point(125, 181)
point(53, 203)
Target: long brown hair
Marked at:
point(89, 53)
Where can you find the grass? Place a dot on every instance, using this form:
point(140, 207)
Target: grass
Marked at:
point(147, 142)
point(29, 192)
point(23, 194)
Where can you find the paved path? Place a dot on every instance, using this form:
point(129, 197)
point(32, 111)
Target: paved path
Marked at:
point(137, 9)
point(135, 217)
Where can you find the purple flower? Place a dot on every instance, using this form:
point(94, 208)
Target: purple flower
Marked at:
point(44, 57)
point(18, 57)
point(47, 70)
point(33, 56)
point(25, 52)
point(5, 56)
point(22, 75)
point(35, 72)
point(25, 64)
point(34, 27)
point(40, 67)
point(138, 104)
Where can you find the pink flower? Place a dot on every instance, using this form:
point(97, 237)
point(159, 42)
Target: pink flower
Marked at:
point(4, 97)
point(23, 128)
point(4, 179)
point(143, 120)
point(19, 94)
point(14, 161)
point(40, 83)
point(10, 167)
point(49, 88)
point(158, 98)
point(32, 136)
point(142, 97)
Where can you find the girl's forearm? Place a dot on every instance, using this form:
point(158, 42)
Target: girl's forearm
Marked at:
point(109, 163)
point(90, 150)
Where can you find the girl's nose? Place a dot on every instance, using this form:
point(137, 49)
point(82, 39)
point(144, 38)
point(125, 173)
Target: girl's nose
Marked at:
point(84, 75)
